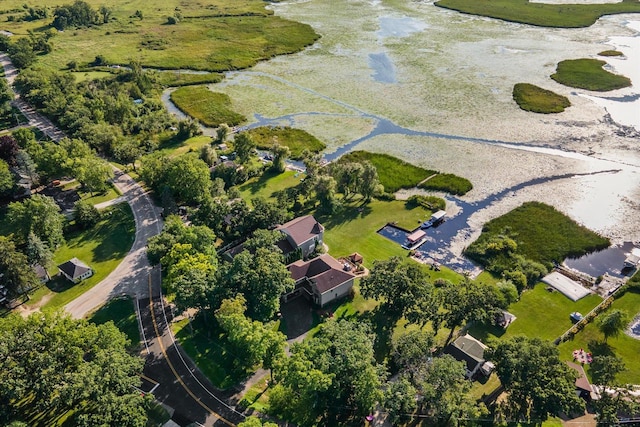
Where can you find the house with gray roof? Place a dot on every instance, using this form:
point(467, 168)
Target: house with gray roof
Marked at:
point(303, 233)
point(469, 350)
point(75, 270)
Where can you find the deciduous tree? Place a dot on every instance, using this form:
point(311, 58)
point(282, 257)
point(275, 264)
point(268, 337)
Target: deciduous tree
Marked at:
point(17, 276)
point(244, 146)
point(612, 322)
point(39, 215)
point(537, 382)
point(6, 177)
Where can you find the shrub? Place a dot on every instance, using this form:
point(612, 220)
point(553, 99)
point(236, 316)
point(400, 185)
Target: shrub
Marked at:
point(85, 214)
point(448, 183)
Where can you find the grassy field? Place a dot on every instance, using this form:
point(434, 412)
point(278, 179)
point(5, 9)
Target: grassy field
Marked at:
point(266, 185)
point(82, 76)
point(623, 346)
point(540, 314)
point(544, 234)
point(174, 148)
point(296, 139)
point(212, 35)
point(588, 74)
point(393, 173)
point(122, 313)
point(540, 14)
point(210, 108)
point(538, 100)
point(101, 247)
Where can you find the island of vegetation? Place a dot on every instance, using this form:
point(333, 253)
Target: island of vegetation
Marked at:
point(610, 53)
point(541, 14)
point(588, 74)
point(538, 100)
point(209, 108)
point(297, 140)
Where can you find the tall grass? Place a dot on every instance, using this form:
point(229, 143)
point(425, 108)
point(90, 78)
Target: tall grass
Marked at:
point(544, 234)
point(538, 100)
point(296, 139)
point(448, 183)
point(393, 173)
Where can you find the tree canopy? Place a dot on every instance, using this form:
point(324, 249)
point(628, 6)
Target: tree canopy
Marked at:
point(39, 215)
point(56, 364)
point(17, 276)
point(329, 378)
point(538, 383)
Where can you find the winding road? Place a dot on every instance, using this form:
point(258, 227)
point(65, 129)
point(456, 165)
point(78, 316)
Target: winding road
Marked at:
point(175, 380)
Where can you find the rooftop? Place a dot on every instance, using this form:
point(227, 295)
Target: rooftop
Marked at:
point(302, 228)
point(74, 268)
point(325, 271)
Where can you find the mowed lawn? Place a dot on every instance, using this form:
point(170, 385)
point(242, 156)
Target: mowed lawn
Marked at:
point(540, 314)
point(623, 346)
point(354, 229)
point(268, 184)
point(122, 313)
point(102, 248)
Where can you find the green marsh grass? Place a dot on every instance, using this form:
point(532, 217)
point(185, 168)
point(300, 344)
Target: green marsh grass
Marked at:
point(538, 100)
point(588, 74)
point(210, 108)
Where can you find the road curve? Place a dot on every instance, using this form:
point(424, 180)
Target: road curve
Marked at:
point(131, 275)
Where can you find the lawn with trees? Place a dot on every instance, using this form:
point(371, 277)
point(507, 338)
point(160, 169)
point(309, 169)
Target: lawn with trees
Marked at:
point(541, 14)
point(209, 108)
point(588, 74)
point(538, 100)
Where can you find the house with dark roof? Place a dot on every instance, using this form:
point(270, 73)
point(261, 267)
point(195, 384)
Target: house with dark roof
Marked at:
point(469, 350)
point(322, 280)
point(584, 389)
point(303, 233)
point(75, 270)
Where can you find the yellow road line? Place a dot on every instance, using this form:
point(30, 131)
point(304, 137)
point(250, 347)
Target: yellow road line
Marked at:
point(175, 373)
point(143, 376)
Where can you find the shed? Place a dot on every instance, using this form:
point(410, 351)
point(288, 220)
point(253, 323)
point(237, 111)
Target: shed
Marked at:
point(438, 216)
point(356, 258)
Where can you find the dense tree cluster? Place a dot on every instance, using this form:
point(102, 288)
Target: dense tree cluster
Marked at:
point(78, 14)
point(538, 383)
point(330, 378)
point(102, 112)
point(55, 364)
point(39, 215)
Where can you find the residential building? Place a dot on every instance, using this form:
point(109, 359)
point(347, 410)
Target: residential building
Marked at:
point(471, 351)
point(75, 270)
point(304, 233)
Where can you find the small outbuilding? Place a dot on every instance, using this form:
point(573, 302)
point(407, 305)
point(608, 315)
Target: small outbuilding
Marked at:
point(356, 258)
point(75, 270)
point(416, 236)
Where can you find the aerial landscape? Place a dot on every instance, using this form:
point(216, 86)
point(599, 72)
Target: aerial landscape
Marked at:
point(320, 213)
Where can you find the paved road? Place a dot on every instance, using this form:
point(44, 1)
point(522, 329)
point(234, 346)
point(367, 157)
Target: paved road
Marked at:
point(131, 275)
point(180, 384)
point(35, 119)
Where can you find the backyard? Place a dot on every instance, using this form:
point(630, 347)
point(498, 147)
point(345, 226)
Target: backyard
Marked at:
point(540, 314)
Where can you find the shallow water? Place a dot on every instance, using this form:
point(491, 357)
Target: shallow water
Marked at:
point(384, 71)
point(610, 260)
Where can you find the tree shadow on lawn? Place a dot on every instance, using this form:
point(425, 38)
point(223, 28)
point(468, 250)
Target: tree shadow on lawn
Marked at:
point(349, 212)
point(261, 183)
point(484, 332)
point(382, 325)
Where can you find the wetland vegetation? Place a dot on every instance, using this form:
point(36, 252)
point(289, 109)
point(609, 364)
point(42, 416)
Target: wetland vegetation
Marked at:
point(541, 14)
point(209, 108)
point(297, 140)
point(538, 100)
point(588, 74)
